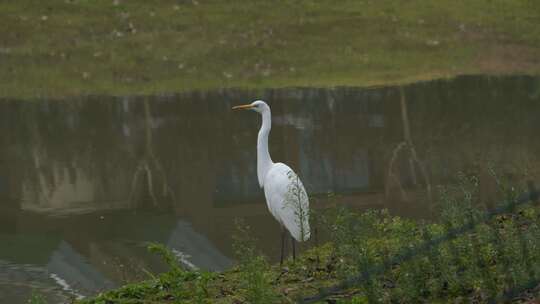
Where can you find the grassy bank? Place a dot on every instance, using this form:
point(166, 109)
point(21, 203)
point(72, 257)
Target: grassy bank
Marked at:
point(472, 257)
point(72, 47)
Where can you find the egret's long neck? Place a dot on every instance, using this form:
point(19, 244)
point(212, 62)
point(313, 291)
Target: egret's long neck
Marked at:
point(264, 162)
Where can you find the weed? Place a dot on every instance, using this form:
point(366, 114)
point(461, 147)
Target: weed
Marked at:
point(297, 200)
point(168, 257)
point(36, 298)
point(254, 272)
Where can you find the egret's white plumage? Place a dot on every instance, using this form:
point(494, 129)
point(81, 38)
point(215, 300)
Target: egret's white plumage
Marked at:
point(285, 194)
point(288, 207)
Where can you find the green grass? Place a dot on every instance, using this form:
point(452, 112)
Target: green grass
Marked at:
point(64, 48)
point(480, 263)
point(472, 267)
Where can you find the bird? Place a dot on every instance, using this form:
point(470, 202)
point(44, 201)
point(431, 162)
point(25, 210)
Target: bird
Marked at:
point(284, 192)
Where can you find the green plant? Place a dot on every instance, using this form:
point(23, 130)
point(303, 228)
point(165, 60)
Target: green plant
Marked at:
point(469, 253)
point(254, 272)
point(179, 282)
point(296, 198)
point(36, 298)
point(168, 257)
point(202, 281)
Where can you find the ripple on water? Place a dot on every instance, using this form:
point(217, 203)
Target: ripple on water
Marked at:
point(18, 282)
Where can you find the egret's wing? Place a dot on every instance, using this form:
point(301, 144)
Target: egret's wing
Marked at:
point(287, 200)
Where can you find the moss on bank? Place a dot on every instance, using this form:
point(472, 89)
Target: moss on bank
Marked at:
point(72, 47)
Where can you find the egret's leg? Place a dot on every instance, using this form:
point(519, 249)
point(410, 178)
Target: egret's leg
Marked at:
point(293, 248)
point(282, 244)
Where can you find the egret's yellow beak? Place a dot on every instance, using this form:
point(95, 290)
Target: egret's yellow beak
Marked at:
point(242, 107)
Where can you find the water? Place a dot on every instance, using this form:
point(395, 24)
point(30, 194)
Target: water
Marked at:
point(87, 183)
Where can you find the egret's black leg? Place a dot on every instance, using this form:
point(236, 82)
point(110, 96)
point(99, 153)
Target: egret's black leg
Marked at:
point(293, 248)
point(282, 245)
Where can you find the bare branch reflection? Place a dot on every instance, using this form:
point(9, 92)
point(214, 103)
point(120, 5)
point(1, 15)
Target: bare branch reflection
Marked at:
point(149, 171)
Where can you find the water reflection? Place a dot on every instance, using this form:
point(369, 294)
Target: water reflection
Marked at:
point(86, 183)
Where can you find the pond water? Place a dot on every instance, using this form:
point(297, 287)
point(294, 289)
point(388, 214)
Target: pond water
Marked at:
point(87, 183)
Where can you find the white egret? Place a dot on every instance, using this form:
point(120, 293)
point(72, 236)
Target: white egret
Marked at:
point(285, 195)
